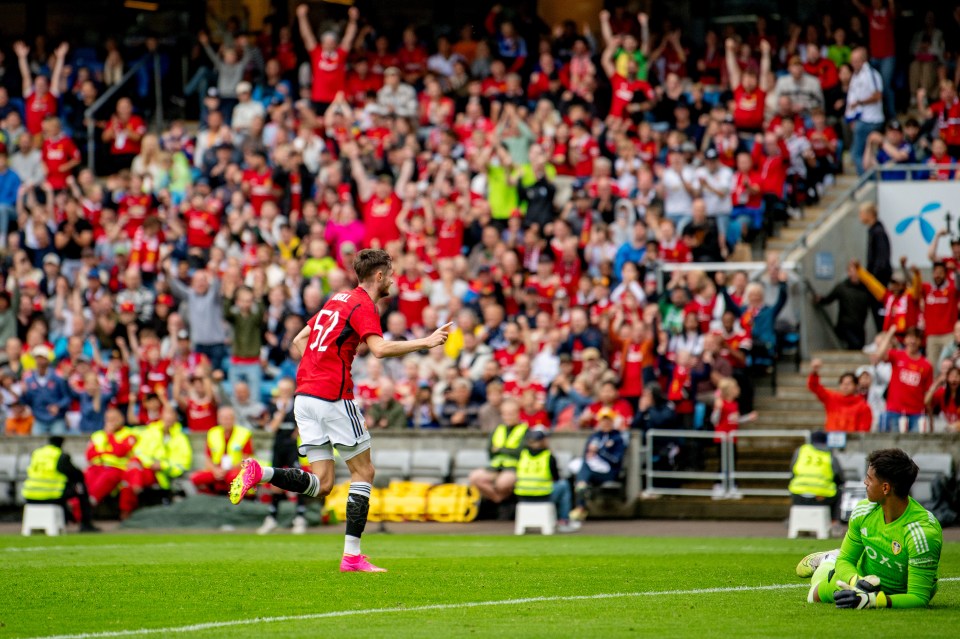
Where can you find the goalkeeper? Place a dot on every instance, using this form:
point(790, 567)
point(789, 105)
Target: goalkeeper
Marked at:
point(891, 553)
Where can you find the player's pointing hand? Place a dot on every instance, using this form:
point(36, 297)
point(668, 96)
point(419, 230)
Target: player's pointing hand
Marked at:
point(439, 337)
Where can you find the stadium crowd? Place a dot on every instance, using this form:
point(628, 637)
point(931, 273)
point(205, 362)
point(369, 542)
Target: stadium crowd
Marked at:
point(530, 181)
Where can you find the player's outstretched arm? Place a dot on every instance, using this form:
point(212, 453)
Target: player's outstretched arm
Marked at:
point(382, 348)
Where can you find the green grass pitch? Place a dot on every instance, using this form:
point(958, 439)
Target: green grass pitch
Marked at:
point(107, 585)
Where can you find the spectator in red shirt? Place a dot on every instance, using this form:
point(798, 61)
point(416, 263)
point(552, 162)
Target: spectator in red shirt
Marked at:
point(946, 112)
point(40, 94)
point(881, 15)
point(821, 68)
point(123, 133)
point(60, 155)
point(943, 398)
point(749, 90)
point(910, 379)
point(328, 61)
point(846, 409)
point(412, 57)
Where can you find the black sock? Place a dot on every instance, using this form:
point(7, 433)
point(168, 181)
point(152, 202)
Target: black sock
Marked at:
point(296, 481)
point(301, 505)
point(357, 508)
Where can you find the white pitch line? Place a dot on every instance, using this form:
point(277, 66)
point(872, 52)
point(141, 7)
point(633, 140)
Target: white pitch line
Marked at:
point(212, 625)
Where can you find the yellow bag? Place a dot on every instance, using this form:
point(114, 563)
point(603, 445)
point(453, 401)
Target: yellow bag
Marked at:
point(405, 501)
point(451, 503)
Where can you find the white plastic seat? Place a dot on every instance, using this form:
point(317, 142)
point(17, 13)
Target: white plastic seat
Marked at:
point(811, 519)
point(536, 514)
point(46, 517)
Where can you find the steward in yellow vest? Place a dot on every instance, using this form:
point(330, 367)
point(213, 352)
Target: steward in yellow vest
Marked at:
point(163, 450)
point(52, 478)
point(538, 479)
point(227, 446)
point(162, 454)
point(816, 475)
point(495, 482)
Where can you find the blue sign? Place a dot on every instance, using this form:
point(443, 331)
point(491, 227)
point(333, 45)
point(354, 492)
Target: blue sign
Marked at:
point(836, 440)
point(824, 267)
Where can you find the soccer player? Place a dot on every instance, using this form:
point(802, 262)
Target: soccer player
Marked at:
point(890, 556)
point(324, 408)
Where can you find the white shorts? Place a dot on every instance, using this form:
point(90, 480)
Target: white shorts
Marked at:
point(324, 425)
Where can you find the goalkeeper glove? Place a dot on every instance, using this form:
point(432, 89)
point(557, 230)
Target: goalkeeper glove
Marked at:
point(864, 594)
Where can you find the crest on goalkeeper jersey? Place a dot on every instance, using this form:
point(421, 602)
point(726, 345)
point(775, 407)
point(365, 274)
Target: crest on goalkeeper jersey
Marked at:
point(897, 547)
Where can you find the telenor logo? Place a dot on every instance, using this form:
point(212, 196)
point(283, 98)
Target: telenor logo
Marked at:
point(926, 228)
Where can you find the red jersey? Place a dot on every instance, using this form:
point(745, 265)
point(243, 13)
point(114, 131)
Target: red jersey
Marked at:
point(413, 61)
point(939, 308)
point(824, 70)
point(620, 406)
point(587, 150)
point(822, 141)
point(938, 173)
point(506, 357)
point(948, 120)
point(55, 153)
point(748, 109)
point(357, 88)
point(201, 416)
point(37, 109)
point(902, 311)
point(726, 422)
point(948, 407)
point(380, 219)
point(145, 251)
point(546, 290)
point(261, 188)
point(516, 388)
point(122, 143)
point(742, 194)
point(675, 251)
point(344, 321)
point(881, 33)
point(533, 420)
point(703, 309)
point(680, 390)
point(329, 73)
point(202, 228)
point(449, 238)
point(635, 357)
point(411, 299)
point(909, 382)
point(136, 206)
point(623, 92)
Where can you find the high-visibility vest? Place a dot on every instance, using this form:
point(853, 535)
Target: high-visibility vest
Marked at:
point(507, 437)
point(813, 473)
point(44, 482)
point(217, 444)
point(101, 443)
point(533, 474)
point(171, 450)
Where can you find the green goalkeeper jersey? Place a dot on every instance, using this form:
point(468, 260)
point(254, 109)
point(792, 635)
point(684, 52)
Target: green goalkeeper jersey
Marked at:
point(904, 554)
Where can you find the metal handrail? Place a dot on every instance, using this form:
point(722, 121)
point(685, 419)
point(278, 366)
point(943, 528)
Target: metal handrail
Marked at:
point(733, 474)
point(822, 314)
point(651, 474)
point(93, 108)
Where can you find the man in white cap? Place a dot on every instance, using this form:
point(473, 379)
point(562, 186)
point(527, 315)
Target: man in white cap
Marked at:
point(47, 395)
point(247, 109)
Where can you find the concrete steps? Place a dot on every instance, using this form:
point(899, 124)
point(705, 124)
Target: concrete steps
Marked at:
point(796, 228)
